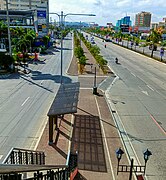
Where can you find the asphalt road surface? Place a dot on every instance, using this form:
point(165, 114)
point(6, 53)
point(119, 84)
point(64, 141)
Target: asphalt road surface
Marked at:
point(137, 97)
point(26, 98)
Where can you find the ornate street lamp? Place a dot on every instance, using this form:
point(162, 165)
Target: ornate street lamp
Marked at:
point(131, 168)
point(119, 153)
point(146, 153)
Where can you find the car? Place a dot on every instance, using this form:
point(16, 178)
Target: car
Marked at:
point(93, 42)
point(108, 40)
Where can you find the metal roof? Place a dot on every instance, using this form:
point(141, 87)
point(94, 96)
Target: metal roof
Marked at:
point(66, 100)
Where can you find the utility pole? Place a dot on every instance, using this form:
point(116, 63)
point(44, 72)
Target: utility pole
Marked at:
point(61, 25)
point(8, 28)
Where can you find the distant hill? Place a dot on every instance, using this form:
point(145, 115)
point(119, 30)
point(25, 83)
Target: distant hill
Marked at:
point(77, 24)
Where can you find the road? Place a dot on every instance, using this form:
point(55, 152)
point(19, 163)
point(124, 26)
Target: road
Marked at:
point(26, 98)
point(138, 96)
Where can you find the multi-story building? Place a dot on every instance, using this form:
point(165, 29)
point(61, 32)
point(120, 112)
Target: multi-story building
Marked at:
point(124, 21)
point(123, 24)
point(143, 21)
point(40, 9)
point(20, 4)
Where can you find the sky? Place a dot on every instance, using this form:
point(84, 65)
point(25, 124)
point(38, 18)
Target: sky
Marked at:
point(106, 11)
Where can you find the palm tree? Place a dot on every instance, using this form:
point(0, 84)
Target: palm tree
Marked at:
point(3, 28)
point(128, 39)
point(30, 36)
point(23, 39)
point(153, 39)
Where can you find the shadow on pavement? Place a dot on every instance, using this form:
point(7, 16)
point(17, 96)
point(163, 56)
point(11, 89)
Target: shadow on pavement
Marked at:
point(87, 140)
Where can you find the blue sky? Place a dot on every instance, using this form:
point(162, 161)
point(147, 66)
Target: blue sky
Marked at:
point(107, 10)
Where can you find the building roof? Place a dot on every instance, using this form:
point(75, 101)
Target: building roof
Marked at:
point(14, 13)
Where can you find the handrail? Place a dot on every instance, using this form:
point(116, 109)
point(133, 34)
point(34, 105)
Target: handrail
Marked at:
point(34, 172)
point(24, 156)
point(17, 168)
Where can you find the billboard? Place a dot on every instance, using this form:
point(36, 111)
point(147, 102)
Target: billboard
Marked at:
point(42, 22)
point(124, 28)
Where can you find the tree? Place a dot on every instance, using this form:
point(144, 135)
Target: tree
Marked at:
point(79, 52)
point(3, 29)
point(46, 40)
point(153, 39)
point(30, 36)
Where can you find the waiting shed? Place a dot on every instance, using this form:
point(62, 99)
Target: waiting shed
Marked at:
point(65, 102)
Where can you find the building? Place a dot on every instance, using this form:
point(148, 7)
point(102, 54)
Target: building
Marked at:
point(143, 21)
point(154, 26)
point(126, 20)
point(20, 4)
point(123, 24)
point(40, 9)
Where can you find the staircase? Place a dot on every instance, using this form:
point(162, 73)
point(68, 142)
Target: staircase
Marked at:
point(24, 156)
point(30, 165)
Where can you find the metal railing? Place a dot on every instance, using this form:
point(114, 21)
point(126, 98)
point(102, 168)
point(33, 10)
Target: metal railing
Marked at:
point(24, 156)
point(34, 172)
point(30, 165)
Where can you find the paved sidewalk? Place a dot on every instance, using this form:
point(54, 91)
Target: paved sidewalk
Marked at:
point(91, 131)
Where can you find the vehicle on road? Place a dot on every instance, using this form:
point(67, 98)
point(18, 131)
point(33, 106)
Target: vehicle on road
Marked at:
point(108, 40)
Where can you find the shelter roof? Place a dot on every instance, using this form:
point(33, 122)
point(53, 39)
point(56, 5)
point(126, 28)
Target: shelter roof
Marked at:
point(66, 100)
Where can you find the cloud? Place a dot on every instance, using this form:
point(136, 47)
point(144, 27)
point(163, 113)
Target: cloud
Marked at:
point(98, 3)
point(124, 3)
point(109, 10)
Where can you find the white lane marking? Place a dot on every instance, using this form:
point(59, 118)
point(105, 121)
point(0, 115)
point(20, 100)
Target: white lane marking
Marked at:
point(25, 101)
point(109, 157)
point(1, 156)
point(150, 87)
point(145, 92)
point(133, 74)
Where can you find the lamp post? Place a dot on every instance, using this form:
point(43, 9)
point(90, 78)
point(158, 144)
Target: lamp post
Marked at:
point(146, 153)
point(62, 22)
point(119, 153)
point(94, 85)
point(8, 28)
point(131, 168)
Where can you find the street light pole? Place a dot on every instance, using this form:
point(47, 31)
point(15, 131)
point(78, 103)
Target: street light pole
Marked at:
point(62, 22)
point(8, 28)
point(61, 18)
point(131, 168)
